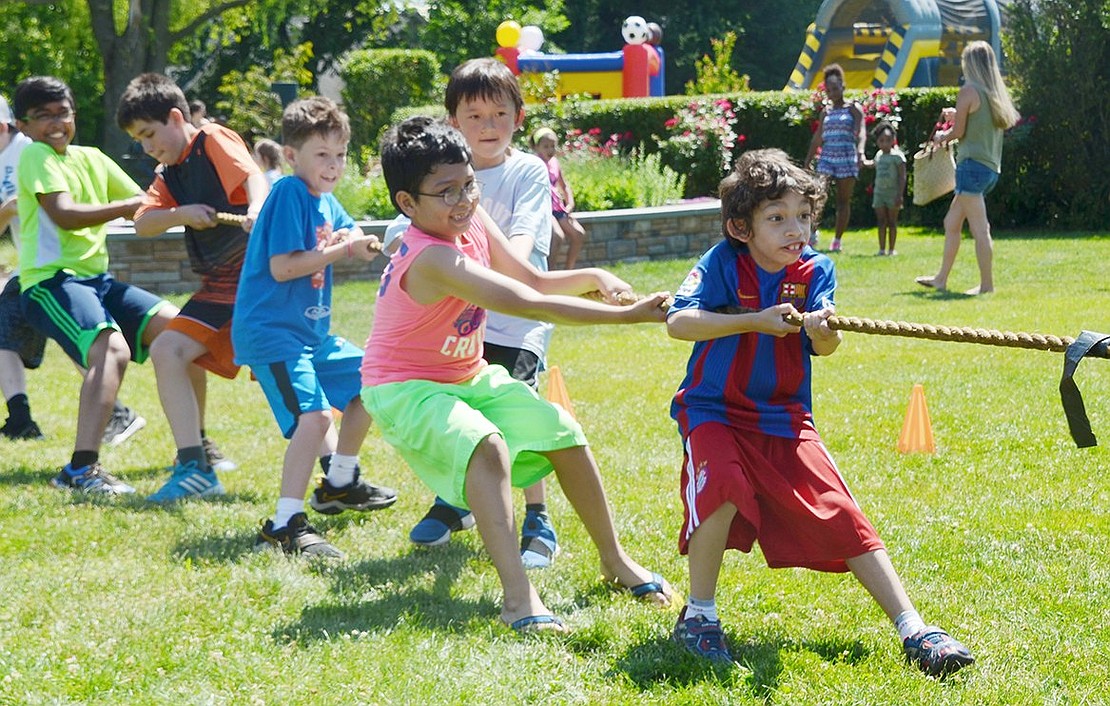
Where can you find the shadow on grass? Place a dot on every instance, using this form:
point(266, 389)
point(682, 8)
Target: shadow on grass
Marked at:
point(664, 661)
point(376, 595)
point(25, 475)
point(228, 546)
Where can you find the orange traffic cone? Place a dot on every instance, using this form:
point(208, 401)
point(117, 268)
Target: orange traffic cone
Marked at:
point(917, 432)
point(557, 389)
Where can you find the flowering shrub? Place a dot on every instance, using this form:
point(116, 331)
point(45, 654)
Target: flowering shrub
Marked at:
point(877, 104)
point(579, 143)
point(699, 143)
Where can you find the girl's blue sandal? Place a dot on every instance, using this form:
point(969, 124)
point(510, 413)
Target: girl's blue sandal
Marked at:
point(538, 623)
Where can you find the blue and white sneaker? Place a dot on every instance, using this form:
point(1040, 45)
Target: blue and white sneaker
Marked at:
point(538, 543)
point(188, 481)
point(436, 526)
point(90, 479)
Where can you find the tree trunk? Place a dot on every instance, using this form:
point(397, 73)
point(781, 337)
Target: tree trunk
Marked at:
point(142, 46)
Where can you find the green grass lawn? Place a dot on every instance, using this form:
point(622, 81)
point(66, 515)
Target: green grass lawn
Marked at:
point(1000, 536)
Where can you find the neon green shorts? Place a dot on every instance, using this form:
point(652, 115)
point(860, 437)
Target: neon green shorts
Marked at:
point(436, 426)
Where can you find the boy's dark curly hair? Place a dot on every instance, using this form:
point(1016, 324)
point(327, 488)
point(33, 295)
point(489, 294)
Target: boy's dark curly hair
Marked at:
point(765, 175)
point(413, 149)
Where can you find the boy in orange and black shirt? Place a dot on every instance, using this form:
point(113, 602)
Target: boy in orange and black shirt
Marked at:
point(204, 171)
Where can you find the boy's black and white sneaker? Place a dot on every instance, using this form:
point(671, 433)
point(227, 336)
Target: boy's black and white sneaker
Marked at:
point(91, 479)
point(297, 537)
point(29, 431)
point(935, 652)
point(359, 495)
point(122, 425)
point(217, 461)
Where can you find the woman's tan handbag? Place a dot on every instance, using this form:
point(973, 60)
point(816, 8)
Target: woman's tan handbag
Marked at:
point(934, 173)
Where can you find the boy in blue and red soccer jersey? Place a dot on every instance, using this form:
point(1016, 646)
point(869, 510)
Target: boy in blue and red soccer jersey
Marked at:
point(754, 465)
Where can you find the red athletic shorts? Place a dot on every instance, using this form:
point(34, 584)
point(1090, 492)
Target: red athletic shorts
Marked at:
point(788, 493)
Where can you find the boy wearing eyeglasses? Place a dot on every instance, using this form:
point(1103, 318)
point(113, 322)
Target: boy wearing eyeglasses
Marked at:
point(468, 429)
point(67, 195)
point(484, 102)
point(280, 327)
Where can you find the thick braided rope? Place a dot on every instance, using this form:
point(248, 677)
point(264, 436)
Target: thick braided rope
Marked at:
point(235, 219)
point(957, 334)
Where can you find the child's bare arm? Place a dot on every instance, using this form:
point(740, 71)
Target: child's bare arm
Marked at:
point(439, 272)
point(342, 244)
point(257, 187)
point(157, 221)
point(901, 184)
point(68, 214)
point(701, 325)
point(8, 211)
point(508, 259)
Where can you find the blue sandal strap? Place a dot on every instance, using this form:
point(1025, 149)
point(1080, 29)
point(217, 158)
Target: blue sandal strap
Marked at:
point(653, 586)
point(535, 620)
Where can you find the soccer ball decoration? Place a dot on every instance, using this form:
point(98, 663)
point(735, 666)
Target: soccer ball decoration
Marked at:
point(635, 30)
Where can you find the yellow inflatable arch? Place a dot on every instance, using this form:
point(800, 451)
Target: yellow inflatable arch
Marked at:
point(894, 44)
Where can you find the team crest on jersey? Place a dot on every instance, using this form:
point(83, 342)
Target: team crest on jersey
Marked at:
point(690, 284)
point(793, 293)
point(469, 320)
point(701, 476)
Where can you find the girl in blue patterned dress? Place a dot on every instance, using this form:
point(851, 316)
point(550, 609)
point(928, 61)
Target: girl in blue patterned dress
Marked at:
point(841, 140)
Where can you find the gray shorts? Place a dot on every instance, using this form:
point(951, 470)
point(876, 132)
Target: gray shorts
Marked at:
point(15, 333)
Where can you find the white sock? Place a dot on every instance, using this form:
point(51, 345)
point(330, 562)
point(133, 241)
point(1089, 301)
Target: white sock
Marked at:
point(908, 622)
point(286, 508)
point(707, 609)
point(341, 472)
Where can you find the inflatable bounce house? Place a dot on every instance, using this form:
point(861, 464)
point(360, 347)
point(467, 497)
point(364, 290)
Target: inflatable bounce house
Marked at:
point(896, 43)
point(635, 71)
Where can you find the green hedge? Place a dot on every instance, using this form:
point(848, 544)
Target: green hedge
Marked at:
point(763, 118)
point(377, 82)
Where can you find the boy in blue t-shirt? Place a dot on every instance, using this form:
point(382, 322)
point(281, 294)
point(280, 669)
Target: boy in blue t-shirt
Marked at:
point(754, 465)
point(281, 329)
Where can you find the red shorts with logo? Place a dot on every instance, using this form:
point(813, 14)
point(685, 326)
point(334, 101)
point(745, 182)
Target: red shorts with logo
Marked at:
point(788, 493)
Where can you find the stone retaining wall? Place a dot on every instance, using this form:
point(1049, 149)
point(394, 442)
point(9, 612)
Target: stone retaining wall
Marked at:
point(628, 235)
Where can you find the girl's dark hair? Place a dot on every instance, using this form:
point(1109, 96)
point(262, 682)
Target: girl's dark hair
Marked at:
point(834, 70)
point(884, 126)
point(413, 149)
point(765, 175)
point(37, 91)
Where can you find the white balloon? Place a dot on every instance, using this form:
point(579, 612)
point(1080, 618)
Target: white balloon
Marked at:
point(531, 39)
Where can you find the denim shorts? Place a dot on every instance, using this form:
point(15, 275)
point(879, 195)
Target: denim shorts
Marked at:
point(974, 177)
